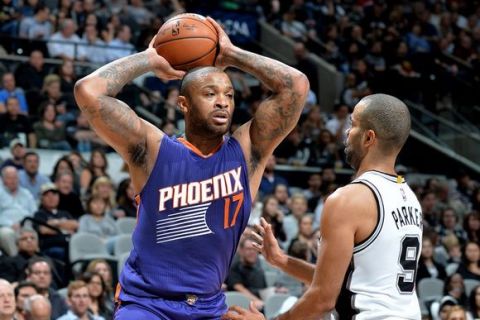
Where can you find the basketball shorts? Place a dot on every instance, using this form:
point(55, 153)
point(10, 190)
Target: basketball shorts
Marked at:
point(179, 308)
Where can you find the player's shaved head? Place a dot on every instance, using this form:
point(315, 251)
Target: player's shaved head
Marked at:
point(388, 117)
point(194, 75)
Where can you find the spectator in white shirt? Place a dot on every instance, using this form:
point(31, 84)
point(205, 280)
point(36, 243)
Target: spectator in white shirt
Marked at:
point(94, 48)
point(64, 43)
point(121, 46)
point(79, 301)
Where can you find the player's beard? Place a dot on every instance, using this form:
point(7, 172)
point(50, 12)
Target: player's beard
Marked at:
point(353, 154)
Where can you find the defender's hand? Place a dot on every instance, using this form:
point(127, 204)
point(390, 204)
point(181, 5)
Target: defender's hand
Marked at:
point(225, 45)
point(237, 313)
point(267, 244)
point(160, 66)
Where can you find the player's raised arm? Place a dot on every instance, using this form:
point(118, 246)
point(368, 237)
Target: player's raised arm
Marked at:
point(277, 115)
point(134, 139)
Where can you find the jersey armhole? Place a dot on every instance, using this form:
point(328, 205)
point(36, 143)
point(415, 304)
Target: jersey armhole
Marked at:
point(380, 217)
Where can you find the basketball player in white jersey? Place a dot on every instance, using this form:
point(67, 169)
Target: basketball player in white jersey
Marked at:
point(371, 230)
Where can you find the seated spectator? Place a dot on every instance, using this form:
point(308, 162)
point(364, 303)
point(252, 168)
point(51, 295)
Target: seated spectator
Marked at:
point(102, 267)
point(120, 46)
point(280, 192)
point(471, 225)
point(168, 110)
point(64, 44)
point(469, 268)
point(97, 167)
point(79, 301)
point(449, 225)
point(37, 307)
point(305, 235)
point(269, 178)
point(126, 199)
point(94, 48)
point(37, 27)
point(299, 250)
point(29, 75)
point(39, 272)
point(339, 123)
point(63, 103)
point(98, 223)
point(474, 303)
point(10, 89)
point(314, 190)
point(292, 28)
point(67, 75)
point(457, 313)
point(28, 247)
point(61, 166)
point(140, 14)
point(23, 291)
point(30, 178)
point(82, 135)
point(69, 199)
point(49, 131)
point(298, 208)
point(324, 151)
point(14, 124)
point(103, 187)
point(273, 215)
point(54, 243)
point(7, 305)
point(294, 150)
point(16, 203)
point(9, 21)
point(17, 149)
point(427, 266)
point(246, 274)
point(100, 306)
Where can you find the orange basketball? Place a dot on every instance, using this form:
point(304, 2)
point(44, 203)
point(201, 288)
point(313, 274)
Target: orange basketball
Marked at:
point(187, 41)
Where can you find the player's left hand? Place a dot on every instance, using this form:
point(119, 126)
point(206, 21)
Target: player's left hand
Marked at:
point(224, 43)
point(238, 313)
point(160, 66)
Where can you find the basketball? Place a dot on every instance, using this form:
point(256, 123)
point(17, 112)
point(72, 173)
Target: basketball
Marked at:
point(187, 41)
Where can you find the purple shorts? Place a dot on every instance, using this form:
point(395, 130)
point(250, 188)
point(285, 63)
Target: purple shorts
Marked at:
point(142, 308)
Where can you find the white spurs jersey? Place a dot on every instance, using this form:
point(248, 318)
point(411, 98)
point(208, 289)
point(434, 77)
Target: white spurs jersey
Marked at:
point(380, 281)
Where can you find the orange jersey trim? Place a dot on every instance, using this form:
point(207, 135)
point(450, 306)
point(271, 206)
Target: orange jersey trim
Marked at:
point(117, 292)
point(197, 151)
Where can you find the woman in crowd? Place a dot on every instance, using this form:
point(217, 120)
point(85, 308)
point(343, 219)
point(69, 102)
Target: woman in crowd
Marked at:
point(427, 266)
point(273, 215)
point(49, 131)
point(97, 167)
point(126, 199)
point(100, 305)
point(469, 268)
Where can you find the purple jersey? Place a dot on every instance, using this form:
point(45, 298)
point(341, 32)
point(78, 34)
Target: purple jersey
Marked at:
point(192, 212)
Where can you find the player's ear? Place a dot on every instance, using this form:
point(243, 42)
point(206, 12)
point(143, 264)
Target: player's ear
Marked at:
point(183, 104)
point(369, 137)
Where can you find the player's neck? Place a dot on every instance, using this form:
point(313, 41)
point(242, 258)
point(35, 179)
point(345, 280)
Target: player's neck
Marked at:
point(206, 146)
point(385, 165)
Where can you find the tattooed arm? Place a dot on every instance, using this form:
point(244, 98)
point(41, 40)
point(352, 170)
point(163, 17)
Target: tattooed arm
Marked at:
point(136, 140)
point(277, 115)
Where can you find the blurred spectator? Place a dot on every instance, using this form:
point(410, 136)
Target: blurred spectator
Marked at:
point(8, 17)
point(323, 151)
point(66, 72)
point(83, 136)
point(469, 268)
point(54, 243)
point(94, 47)
point(79, 301)
point(69, 200)
point(440, 309)
point(96, 288)
point(16, 203)
point(313, 123)
point(14, 124)
point(269, 178)
point(449, 224)
point(474, 303)
point(49, 131)
point(64, 44)
point(476, 200)
point(305, 65)
point(339, 124)
point(39, 272)
point(280, 192)
point(454, 250)
point(428, 202)
point(455, 288)
point(294, 150)
point(293, 28)
point(61, 166)
point(246, 273)
point(471, 225)
point(314, 188)
point(28, 247)
point(457, 313)
point(168, 111)
point(29, 75)
point(7, 300)
point(97, 167)
point(298, 208)
point(126, 199)
point(30, 178)
point(103, 187)
point(102, 267)
point(274, 216)
point(141, 15)
point(17, 149)
point(304, 235)
point(120, 46)
point(37, 307)
point(10, 89)
point(353, 90)
point(37, 27)
point(23, 291)
point(97, 222)
point(427, 266)
point(63, 103)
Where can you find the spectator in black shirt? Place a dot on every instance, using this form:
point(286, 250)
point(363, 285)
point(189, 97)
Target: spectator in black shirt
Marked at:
point(17, 149)
point(13, 124)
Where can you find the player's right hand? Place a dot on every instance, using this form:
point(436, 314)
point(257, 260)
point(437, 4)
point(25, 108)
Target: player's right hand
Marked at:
point(267, 244)
point(160, 66)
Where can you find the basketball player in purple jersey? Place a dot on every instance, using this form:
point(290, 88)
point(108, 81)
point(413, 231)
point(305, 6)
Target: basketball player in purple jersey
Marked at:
point(195, 192)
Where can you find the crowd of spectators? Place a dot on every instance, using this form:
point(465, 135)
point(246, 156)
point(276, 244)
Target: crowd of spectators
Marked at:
point(374, 43)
